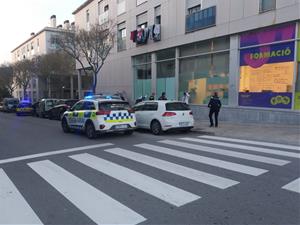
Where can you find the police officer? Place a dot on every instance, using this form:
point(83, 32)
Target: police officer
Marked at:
point(214, 105)
point(163, 96)
point(152, 97)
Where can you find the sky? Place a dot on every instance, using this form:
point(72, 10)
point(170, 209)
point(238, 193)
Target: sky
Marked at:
point(19, 18)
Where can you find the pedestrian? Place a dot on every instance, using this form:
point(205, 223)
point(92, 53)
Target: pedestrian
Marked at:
point(215, 106)
point(163, 96)
point(186, 97)
point(152, 97)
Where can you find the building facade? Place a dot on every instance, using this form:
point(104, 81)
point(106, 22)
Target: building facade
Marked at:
point(247, 51)
point(43, 43)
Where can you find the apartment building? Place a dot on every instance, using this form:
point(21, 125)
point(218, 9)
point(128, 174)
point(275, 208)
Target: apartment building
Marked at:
point(41, 43)
point(246, 51)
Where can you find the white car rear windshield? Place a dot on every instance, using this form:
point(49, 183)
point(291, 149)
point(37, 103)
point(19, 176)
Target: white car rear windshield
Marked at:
point(177, 106)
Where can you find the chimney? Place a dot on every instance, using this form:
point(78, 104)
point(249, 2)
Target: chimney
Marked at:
point(73, 26)
point(67, 24)
point(32, 34)
point(53, 21)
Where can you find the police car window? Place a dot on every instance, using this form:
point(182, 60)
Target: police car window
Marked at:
point(114, 106)
point(78, 106)
point(89, 106)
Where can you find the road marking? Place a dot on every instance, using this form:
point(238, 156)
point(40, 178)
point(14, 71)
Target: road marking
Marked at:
point(243, 147)
point(179, 170)
point(149, 185)
point(268, 160)
point(268, 144)
point(22, 158)
point(98, 206)
point(293, 186)
point(13, 207)
point(209, 161)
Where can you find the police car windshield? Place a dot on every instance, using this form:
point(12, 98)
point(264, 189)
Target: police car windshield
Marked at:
point(114, 106)
point(24, 104)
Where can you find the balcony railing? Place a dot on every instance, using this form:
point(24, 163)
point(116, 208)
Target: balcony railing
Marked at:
point(201, 20)
point(103, 18)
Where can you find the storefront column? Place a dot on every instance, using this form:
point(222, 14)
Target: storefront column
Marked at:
point(153, 75)
point(71, 87)
point(177, 55)
point(79, 84)
point(234, 71)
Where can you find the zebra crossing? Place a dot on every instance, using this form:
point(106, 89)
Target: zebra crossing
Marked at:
point(105, 209)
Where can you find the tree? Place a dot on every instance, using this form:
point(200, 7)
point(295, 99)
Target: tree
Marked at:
point(23, 72)
point(7, 82)
point(89, 48)
point(54, 65)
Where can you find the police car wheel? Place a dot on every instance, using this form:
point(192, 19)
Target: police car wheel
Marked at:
point(65, 126)
point(90, 131)
point(156, 128)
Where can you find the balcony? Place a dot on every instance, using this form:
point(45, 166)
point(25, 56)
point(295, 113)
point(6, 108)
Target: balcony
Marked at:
point(201, 20)
point(103, 18)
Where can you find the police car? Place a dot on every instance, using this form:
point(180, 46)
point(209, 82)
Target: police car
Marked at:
point(99, 114)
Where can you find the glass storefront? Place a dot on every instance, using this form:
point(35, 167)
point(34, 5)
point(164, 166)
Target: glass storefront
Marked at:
point(204, 69)
point(267, 67)
point(297, 88)
point(165, 81)
point(142, 75)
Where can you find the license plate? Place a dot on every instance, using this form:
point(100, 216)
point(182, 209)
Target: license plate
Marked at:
point(184, 124)
point(124, 126)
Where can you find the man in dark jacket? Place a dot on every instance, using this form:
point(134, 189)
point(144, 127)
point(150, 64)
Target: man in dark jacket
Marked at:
point(214, 105)
point(163, 96)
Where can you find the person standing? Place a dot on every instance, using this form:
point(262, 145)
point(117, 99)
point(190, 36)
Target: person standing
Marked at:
point(152, 97)
point(163, 97)
point(186, 97)
point(215, 106)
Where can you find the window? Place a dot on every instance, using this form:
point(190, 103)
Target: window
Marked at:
point(121, 37)
point(106, 8)
point(78, 106)
point(139, 2)
point(150, 106)
point(141, 20)
point(89, 106)
point(157, 15)
point(177, 106)
point(206, 73)
point(194, 9)
point(87, 16)
point(267, 5)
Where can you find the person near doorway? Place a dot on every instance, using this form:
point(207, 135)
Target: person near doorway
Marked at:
point(215, 106)
point(152, 97)
point(163, 96)
point(186, 97)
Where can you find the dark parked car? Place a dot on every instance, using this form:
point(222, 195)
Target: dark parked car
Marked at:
point(44, 106)
point(57, 111)
point(10, 104)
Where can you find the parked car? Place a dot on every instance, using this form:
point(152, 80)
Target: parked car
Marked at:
point(57, 111)
point(1, 106)
point(97, 115)
point(44, 106)
point(24, 108)
point(159, 116)
point(10, 104)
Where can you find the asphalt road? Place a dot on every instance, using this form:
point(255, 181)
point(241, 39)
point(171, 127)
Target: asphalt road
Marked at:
point(46, 178)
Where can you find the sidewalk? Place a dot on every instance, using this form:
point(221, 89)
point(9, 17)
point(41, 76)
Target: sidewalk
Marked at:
point(283, 134)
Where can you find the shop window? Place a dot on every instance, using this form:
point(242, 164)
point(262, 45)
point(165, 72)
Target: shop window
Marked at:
point(267, 72)
point(267, 5)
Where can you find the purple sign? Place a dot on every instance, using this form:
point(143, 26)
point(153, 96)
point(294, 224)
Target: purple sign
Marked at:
point(257, 57)
point(266, 99)
point(269, 35)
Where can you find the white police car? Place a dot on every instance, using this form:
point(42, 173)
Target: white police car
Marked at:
point(99, 114)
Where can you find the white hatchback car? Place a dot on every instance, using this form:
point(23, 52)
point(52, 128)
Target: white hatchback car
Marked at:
point(159, 116)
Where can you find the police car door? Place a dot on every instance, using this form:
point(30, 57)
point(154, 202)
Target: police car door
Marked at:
point(88, 109)
point(73, 115)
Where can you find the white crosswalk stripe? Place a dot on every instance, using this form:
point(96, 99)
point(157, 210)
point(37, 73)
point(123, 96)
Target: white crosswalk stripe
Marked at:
point(210, 161)
point(243, 147)
point(98, 206)
point(14, 209)
point(257, 158)
point(161, 190)
point(190, 173)
point(293, 186)
point(267, 144)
